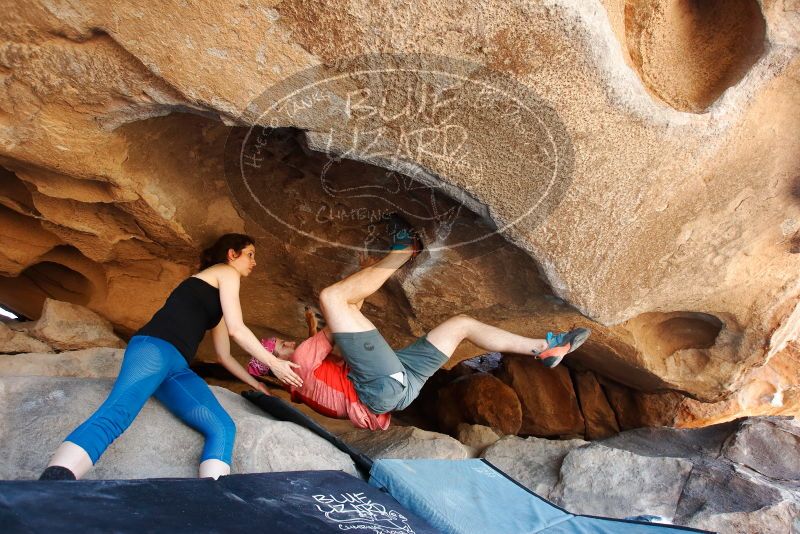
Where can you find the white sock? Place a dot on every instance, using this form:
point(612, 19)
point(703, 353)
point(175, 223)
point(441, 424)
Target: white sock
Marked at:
point(73, 457)
point(214, 469)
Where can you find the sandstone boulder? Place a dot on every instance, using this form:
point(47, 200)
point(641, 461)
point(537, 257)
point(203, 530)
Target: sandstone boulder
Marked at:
point(100, 362)
point(770, 446)
point(597, 413)
point(775, 519)
point(37, 413)
point(477, 437)
point(480, 399)
point(405, 442)
point(21, 326)
point(727, 498)
point(683, 476)
point(549, 405)
point(68, 326)
point(703, 443)
point(533, 462)
point(13, 342)
point(599, 480)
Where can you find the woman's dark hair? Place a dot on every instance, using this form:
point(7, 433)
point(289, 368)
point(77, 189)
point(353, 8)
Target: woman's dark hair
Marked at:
point(218, 252)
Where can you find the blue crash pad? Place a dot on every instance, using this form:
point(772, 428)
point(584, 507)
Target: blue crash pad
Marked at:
point(292, 502)
point(471, 496)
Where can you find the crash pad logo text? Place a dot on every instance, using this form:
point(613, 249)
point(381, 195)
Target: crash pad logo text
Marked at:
point(356, 511)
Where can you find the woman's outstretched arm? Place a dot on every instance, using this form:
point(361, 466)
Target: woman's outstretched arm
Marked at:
point(222, 347)
point(228, 280)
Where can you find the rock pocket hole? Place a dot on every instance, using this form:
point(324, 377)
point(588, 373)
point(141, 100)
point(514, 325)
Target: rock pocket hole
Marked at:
point(688, 52)
point(662, 334)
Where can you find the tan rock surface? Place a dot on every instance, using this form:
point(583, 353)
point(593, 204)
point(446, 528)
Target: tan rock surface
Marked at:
point(477, 437)
point(405, 442)
point(12, 342)
point(533, 462)
point(675, 237)
point(100, 362)
point(769, 390)
point(687, 53)
point(68, 326)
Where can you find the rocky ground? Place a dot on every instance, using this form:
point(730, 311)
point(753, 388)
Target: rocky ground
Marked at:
point(737, 477)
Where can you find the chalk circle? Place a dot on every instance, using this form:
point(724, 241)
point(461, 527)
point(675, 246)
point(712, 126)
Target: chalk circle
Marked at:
point(436, 124)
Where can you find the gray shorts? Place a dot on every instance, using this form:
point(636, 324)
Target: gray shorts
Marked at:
point(372, 361)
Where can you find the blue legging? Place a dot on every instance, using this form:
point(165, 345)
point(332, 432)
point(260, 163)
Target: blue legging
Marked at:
point(152, 366)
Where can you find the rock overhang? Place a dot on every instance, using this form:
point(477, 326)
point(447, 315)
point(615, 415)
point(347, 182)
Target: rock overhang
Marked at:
point(657, 218)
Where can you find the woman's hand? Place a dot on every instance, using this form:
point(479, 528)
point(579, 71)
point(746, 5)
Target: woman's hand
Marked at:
point(282, 370)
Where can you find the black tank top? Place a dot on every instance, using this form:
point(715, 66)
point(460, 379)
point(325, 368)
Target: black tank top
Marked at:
point(192, 308)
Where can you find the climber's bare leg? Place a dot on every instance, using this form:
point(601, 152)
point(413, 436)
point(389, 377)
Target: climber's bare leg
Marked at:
point(448, 335)
point(340, 302)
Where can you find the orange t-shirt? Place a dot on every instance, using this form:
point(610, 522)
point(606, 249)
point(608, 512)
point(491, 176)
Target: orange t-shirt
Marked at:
point(326, 387)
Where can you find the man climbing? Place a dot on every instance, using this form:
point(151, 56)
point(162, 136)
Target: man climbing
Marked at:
point(373, 380)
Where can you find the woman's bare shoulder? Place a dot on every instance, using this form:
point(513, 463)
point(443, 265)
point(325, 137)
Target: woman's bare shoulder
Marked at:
point(216, 274)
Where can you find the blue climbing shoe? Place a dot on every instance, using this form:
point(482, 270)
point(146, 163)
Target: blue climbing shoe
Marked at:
point(402, 235)
point(559, 345)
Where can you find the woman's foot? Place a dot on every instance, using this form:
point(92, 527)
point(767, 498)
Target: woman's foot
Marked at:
point(559, 345)
point(57, 472)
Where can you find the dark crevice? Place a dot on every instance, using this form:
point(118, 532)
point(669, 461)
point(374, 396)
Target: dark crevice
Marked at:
point(20, 316)
point(59, 282)
point(15, 194)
